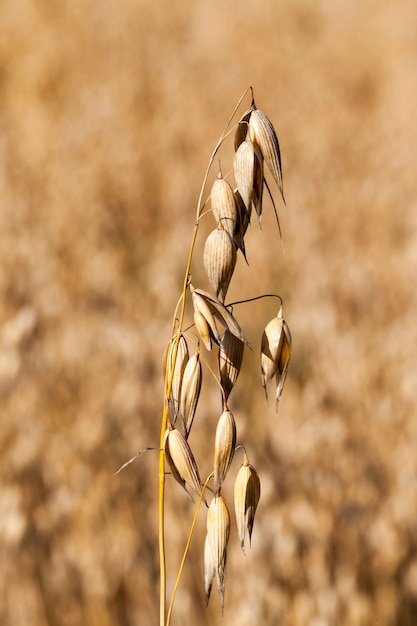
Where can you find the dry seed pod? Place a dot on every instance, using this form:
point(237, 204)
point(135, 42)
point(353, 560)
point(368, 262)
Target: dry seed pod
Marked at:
point(217, 310)
point(190, 391)
point(230, 361)
point(181, 461)
point(176, 370)
point(271, 346)
point(209, 569)
point(275, 353)
point(263, 134)
point(203, 329)
point(246, 496)
point(242, 127)
point(202, 307)
point(284, 361)
point(219, 261)
point(243, 221)
point(249, 176)
point(218, 531)
point(224, 447)
point(223, 204)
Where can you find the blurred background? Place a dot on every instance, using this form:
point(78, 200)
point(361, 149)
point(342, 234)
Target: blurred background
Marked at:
point(109, 112)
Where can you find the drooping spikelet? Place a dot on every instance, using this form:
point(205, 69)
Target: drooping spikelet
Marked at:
point(263, 134)
point(249, 176)
point(224, 447)
point(181, 461)
point(190, 391)
point(176, 370)
point(219, 260)
point(204, 319)
point(212, 309)
point(243, 221)
point(246, 496)
point(275, 353)
point(223, 204)
point(230, 361)
point(218, 531)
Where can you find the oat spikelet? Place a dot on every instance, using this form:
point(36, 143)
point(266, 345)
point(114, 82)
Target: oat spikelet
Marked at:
point(246, 496)
point(249, 176)
point(219, 260)
point(284, 361)
point(242, 127)
point(263, 134)
point(271, 346)
point(218, 531)
point(209, 569)
point(203, 329)
point(224, 447)
point(275, 353)
point(203, 310)
point(190, 391)
point(223, 204)
point(176, 370)
point(243, 221)
point(217, 310)
point(181, 461)
point(230, 361)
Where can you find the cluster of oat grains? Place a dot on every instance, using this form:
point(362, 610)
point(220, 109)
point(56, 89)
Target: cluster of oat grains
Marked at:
point(215, 327)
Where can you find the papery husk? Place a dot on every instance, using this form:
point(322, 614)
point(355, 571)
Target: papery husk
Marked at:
point(246, 498)
point(190, 391)
point(181, 461)
point(219, 311)
point(223, 204)
point(243, 221)
point(200, 303)
point(203, 329)
point(243, 127)
point(284, 361)
point(271, 346)
point(248, 172)
point(263, 134)
point(230, 361)
point(218, 531)
point(219, 260)
point(224, 447)
point(176, 370)
point(209, 569)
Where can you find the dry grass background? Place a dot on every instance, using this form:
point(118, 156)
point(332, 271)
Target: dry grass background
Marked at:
point(109, 112)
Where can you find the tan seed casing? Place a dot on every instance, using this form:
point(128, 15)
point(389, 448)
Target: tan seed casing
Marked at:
point(246, 496)
point(219, 261)
point(271, 346)
point(224, 447)
point(181, 461)
point(230, 361)
point(263, 134)
point(248, 171)
point(218, 531)
point(243, 221)
point(223, 204)
point(190, 391)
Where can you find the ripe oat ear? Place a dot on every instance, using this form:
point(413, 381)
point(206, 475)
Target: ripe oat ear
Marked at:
point(215, 325)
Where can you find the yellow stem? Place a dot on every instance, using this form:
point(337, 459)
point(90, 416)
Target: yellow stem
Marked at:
point(186, 549)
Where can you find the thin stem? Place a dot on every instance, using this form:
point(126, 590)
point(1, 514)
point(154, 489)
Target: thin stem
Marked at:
point(186, 549)
point(264, 295)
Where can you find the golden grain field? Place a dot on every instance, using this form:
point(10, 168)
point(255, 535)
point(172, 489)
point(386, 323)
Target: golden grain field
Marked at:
point(109, 112)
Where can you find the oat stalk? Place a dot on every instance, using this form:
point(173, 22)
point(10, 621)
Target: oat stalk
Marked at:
point(218, 329)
